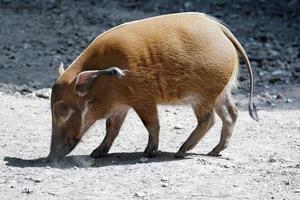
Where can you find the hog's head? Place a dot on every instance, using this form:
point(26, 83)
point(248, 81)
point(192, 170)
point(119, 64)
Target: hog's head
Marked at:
point(72, 112)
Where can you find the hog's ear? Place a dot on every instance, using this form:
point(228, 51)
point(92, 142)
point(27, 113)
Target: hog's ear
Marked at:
point(86, 79)
point(61, 69)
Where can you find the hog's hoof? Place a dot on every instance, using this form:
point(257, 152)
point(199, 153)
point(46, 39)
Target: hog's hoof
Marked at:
point(98, 153)
point(151, 151)
point(180, 154)
point(214, 153)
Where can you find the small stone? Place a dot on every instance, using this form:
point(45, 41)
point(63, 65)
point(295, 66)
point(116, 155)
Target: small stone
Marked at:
point(261, 73)
point(143, 160)
point(164, 185)
point(279, 96)
point(274, 80)
point(274, 96)
point(70, 42)
point(164, 179)
point(277, 72)
point(43, 93)
point(272, 159)
point(288, 101)
point(26, 46)
point(34, 180)
point(271, 103)
point(27, 191)
point(266, 94)
point(178, 127)
point(139, 194)
point(24, 89)
point(286, 183)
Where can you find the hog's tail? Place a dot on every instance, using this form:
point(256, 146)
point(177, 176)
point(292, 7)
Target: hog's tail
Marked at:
point(242, 53)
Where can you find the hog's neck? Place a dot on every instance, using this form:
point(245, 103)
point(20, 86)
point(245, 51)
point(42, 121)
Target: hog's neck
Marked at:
point(87, 60)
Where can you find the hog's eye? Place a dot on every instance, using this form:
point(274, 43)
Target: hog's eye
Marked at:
point(62, 110)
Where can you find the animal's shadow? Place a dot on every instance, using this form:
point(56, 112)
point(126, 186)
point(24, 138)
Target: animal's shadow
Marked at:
point(84, 161)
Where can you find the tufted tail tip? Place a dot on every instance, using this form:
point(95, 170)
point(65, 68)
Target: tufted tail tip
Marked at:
point(253, 111)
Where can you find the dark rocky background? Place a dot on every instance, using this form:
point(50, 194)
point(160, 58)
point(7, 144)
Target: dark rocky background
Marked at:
point(35, 36)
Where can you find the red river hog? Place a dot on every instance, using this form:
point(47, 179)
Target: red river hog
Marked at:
point(184, 58)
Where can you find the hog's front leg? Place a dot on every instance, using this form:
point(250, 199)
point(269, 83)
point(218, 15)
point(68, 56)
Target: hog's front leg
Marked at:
point(113, 126)
point(149, 117)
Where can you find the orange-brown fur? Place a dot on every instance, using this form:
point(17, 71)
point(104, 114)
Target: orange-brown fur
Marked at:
point(167, 60)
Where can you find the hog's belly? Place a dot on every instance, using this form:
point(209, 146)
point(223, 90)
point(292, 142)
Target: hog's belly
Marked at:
point(182, 100)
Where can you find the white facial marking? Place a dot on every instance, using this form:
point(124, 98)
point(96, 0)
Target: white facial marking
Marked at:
point(83, 115)
point(81, 94)
point(60, 120)
point(66, 118)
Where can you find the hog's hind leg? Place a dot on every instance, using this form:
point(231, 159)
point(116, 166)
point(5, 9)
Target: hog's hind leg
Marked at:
point(206, 119)
point(148, 115)
point(228, 112)
point(113, 126)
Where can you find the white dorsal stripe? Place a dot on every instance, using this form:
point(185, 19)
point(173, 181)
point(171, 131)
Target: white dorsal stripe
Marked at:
point(149, 18)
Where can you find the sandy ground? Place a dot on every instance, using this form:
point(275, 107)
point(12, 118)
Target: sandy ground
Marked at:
point(262, 161)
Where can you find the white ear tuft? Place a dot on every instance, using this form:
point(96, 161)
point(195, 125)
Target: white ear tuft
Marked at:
point(117, 71)
point(61, 69)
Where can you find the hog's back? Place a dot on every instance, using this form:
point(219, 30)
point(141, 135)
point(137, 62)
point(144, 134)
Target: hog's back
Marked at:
point(171, 58)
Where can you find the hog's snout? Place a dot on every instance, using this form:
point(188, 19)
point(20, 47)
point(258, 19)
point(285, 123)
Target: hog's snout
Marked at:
point(59, 149)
